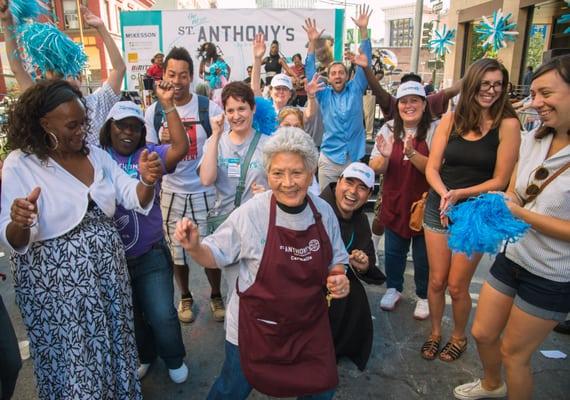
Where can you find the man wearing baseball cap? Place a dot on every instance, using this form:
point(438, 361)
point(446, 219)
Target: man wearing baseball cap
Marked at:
point(350, 318)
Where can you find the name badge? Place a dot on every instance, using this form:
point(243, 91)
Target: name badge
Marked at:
point(234, 168)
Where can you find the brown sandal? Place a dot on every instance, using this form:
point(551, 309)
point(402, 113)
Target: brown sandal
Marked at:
point(453, 349)
point(431, 347)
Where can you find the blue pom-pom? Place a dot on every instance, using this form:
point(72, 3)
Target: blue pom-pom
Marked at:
point(23, 10)
point(265, 117)
point(49, 49)
point(215, 78)
point(482, 224)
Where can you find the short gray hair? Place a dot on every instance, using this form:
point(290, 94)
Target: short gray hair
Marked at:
point(291, 140)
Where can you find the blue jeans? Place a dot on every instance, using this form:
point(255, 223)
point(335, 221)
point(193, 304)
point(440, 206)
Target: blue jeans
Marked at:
point(10, 361)
point(395, 252)
point(232, 384)
point(157, 330)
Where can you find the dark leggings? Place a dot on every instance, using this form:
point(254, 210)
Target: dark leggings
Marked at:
point(10, 361)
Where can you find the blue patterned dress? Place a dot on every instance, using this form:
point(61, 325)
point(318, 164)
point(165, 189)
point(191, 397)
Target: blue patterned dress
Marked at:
point(75, 298)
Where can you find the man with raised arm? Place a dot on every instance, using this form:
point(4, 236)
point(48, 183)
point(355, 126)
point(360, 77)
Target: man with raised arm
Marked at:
point(340, 104)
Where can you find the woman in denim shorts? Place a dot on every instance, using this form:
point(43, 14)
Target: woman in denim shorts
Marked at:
point(528, 289)
point(474, 151)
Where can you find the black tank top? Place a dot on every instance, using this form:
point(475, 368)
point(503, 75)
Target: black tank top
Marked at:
point(469, 162)
point(273, 65)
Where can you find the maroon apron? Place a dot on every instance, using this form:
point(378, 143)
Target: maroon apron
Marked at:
point(284, 335)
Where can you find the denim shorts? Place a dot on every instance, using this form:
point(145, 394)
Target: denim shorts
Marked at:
point(431, 213)
point(537, 296)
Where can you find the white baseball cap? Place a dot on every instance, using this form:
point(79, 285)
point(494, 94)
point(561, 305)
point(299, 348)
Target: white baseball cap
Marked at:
point(410, 88)
point(125, 109)
point(360, 171)
point(282, 80)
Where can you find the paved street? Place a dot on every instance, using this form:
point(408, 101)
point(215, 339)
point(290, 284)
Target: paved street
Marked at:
point(395, 370)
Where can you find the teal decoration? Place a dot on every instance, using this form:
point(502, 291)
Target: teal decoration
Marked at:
point(442, 42)
point(482, 224)
point(23, 10)
point(564, 19)
point(49, 49)
point(498, 31)
point(216, 71)
point(265, 117)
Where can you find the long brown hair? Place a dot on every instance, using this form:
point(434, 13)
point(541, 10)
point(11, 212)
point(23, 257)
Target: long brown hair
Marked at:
point(561, 65)
point(467, 115)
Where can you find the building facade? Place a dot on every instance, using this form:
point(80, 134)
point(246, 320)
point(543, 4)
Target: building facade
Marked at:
point(64, 14)
point(539, 30)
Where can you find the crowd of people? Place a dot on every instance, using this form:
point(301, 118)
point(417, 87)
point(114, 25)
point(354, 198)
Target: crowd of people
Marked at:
point(105, 208)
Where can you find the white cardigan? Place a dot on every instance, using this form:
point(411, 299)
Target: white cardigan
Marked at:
point(63, 199)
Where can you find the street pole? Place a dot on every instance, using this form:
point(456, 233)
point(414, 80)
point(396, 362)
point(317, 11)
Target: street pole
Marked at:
point(417, 33)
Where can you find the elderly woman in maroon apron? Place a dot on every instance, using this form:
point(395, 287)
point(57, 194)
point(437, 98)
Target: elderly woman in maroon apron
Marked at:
point(290, 253)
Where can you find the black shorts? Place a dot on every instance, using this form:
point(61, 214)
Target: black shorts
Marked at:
point(537, 296)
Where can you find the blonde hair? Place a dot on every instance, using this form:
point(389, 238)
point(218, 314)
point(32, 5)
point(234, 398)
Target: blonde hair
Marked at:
point(286, 111)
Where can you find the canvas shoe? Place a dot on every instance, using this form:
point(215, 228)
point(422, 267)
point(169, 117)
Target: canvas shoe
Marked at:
point(185, 313)
point(180, 374)
point(421, 311)
point(389, 300)
point(474, 390)
point(218, 309)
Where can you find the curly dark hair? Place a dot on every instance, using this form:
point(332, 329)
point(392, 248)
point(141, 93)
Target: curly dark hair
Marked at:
point(105, 136)
point(179, 54)
point(23, 129)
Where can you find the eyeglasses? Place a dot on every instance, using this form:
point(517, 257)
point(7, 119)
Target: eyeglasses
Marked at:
point(486, 85)
point(132, 126)
point(532, 189)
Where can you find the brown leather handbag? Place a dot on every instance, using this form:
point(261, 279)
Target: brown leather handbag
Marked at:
point(417, 213)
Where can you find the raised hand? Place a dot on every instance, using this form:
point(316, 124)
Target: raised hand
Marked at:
point(91, 19)
point(187, 234)
point(385, 146)
point(217, 124)
point(362, 16)
point(314, 86)
point(150, 167)
point(24, 211)
point(258, 46)
point(165, 93)
point(359, 59)
point(310, 28)
point(408, 143)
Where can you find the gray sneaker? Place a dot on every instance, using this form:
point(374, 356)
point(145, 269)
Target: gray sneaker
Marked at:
point(475, 390)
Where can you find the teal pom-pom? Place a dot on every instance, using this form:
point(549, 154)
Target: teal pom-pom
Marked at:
point(215, 78)
point(265, 117)
point(23, 10)
point(482, 224)
point(49, 49)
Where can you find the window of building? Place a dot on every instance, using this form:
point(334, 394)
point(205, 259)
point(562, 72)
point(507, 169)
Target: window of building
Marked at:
point(70, 17)
point(401, 32)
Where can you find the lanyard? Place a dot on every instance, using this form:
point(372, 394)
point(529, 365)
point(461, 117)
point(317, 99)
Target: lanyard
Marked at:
point(347, 246)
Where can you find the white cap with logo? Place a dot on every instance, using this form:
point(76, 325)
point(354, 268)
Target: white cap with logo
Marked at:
point(410, 88)
point(282, 80)
point(360, 171)
point(125, 109)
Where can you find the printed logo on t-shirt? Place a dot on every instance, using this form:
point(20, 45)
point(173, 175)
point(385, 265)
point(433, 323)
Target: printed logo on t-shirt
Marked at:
point(303, 253)
point(191, 133)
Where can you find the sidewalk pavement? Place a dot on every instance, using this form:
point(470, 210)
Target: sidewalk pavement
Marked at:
point(395, 370)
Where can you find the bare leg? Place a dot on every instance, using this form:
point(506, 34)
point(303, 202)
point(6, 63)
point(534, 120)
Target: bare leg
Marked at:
point(214, 278)
point(181, 275)
point(439, 258)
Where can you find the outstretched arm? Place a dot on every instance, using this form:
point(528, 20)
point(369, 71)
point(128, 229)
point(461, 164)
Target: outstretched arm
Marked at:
point(117, 74)
point(361, 21)
point(14, 58)
point(258, 47)
point(313, 35)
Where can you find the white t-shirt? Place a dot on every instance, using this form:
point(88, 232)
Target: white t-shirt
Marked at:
point(241, 239)
point(64, 199)
point(185, 178)
point(230, 162)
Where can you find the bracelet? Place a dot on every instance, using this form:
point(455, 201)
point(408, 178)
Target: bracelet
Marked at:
point(146, 184)
point(169, 110)
point(311, 97)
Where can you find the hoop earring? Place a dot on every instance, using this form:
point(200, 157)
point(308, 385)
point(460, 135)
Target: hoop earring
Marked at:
point(54, 139)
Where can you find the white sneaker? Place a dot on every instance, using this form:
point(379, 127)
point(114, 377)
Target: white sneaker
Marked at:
point(474, 391)
point(142, 370)
point(421, 311)
point(389, 300)
point(179, 374)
